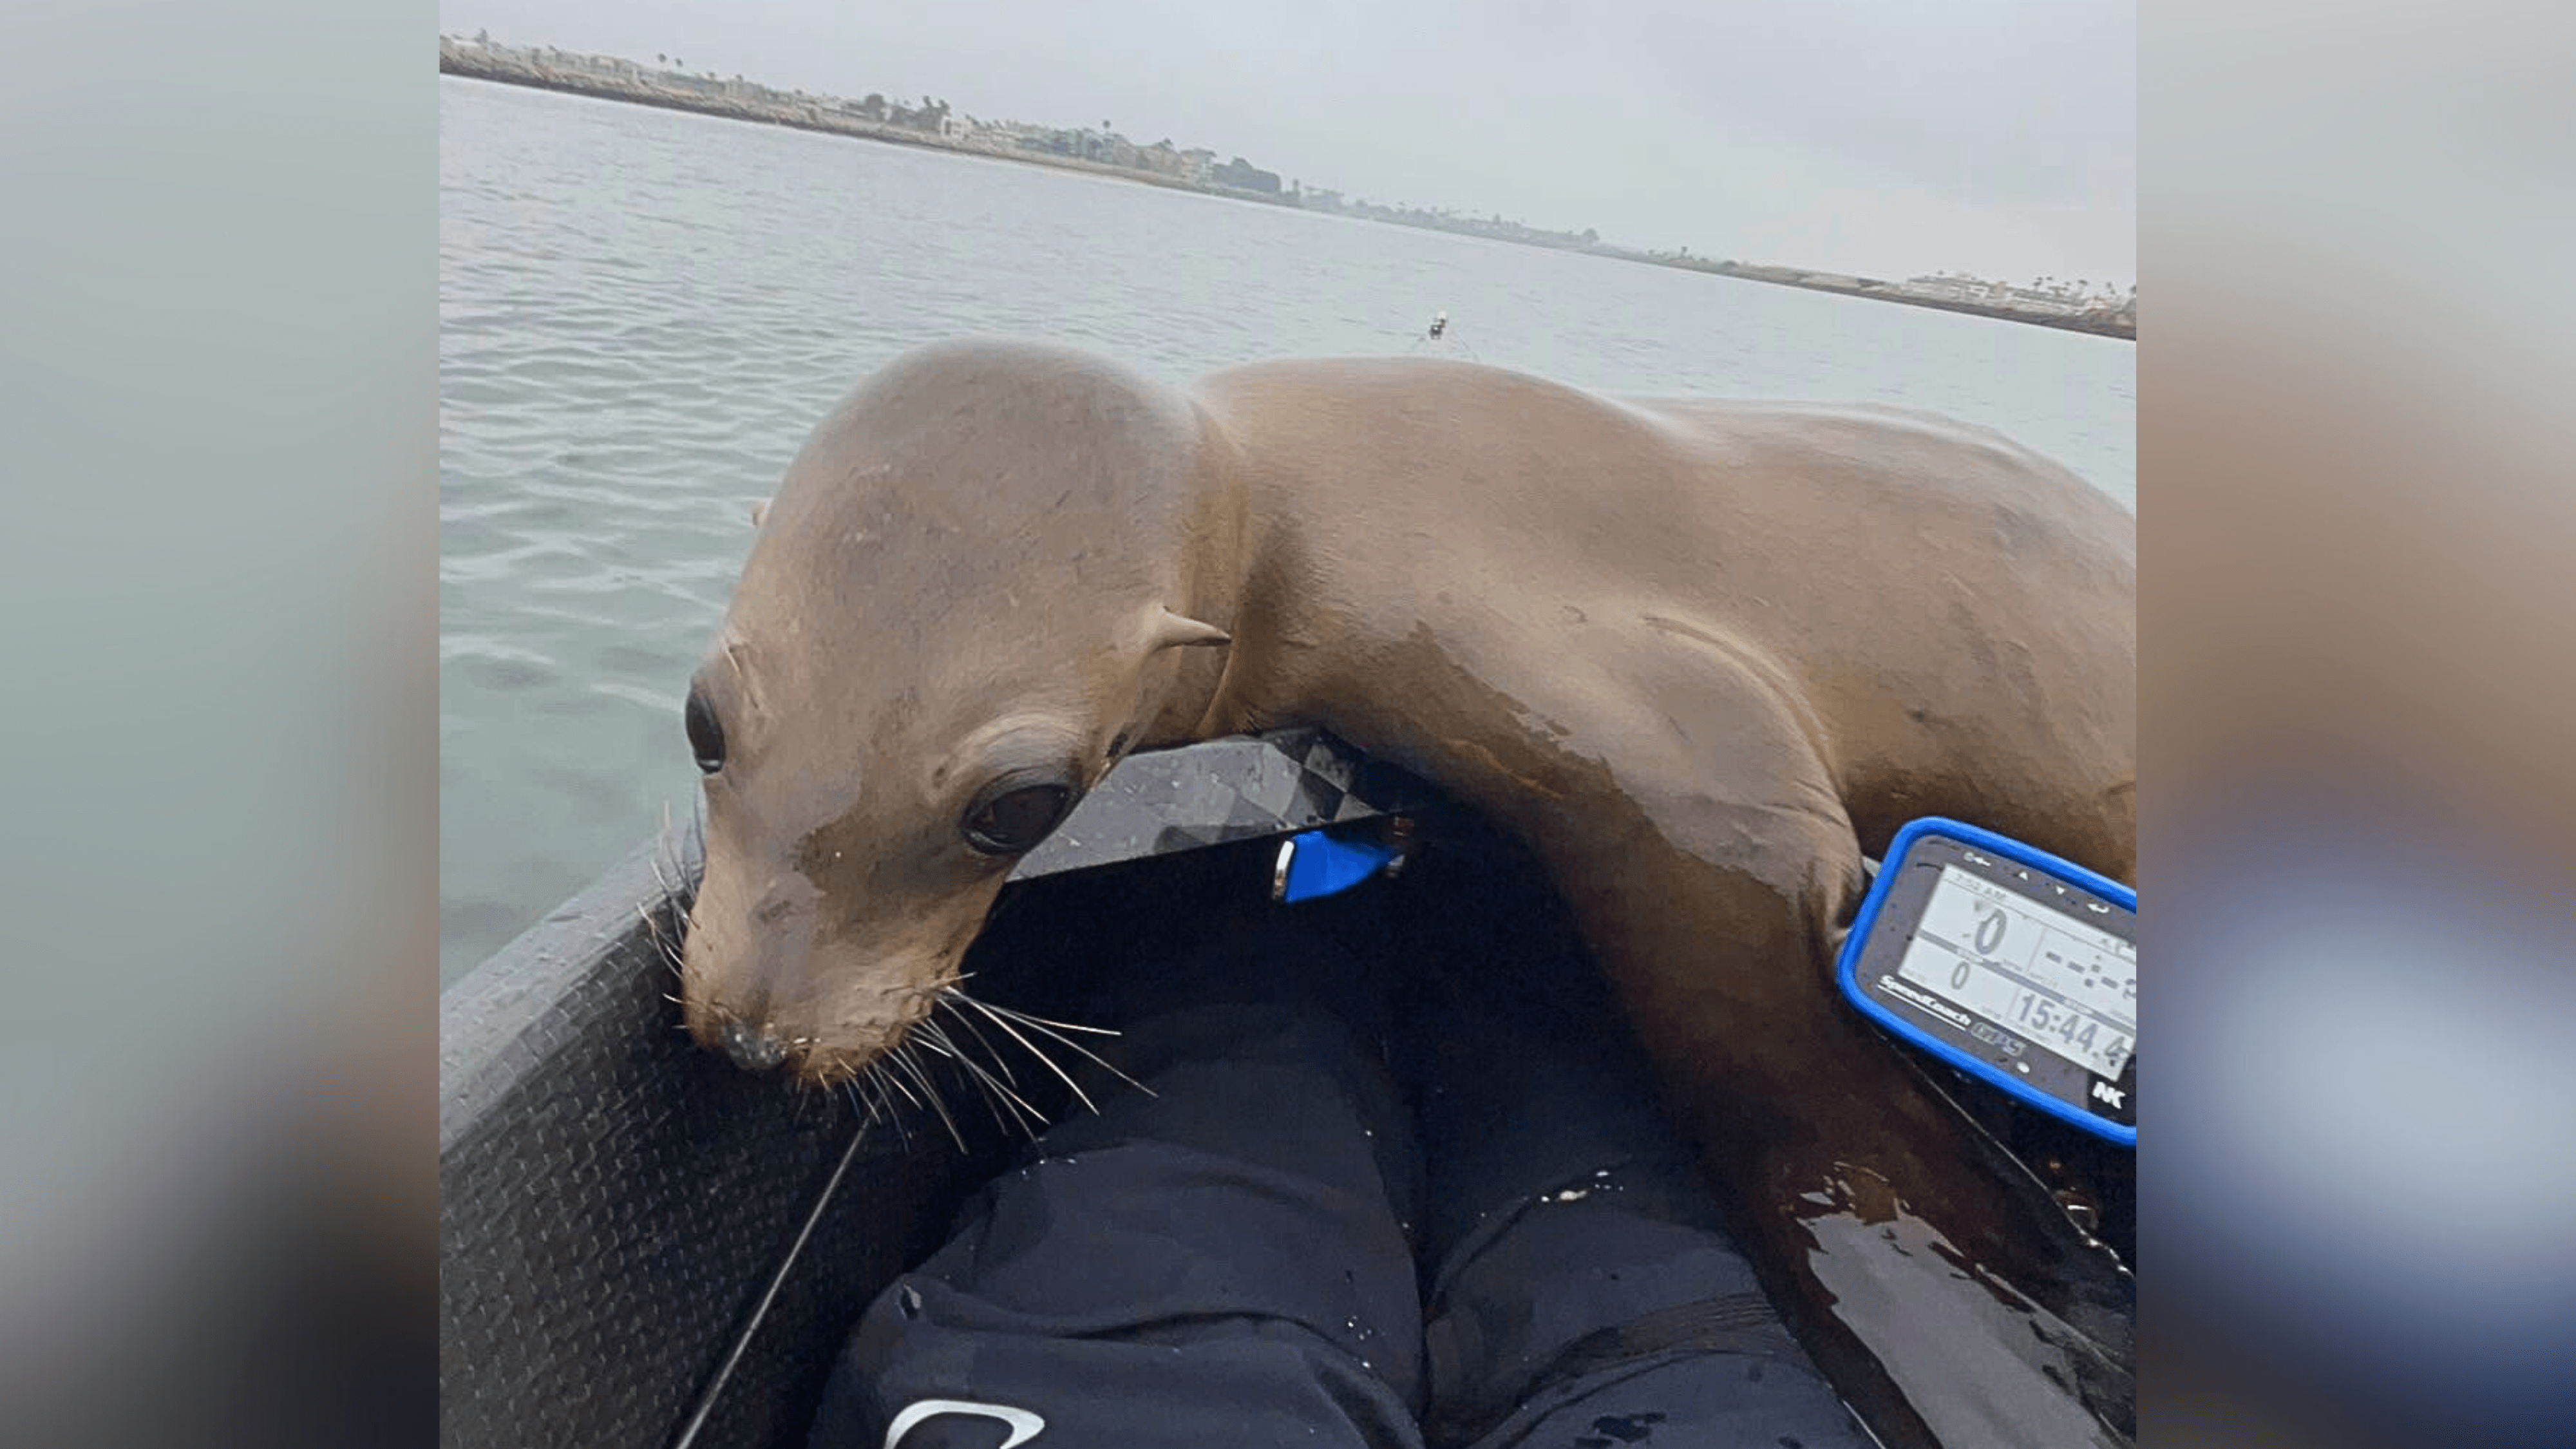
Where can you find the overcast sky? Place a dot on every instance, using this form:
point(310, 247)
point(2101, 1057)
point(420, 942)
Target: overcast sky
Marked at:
point(1890, 137)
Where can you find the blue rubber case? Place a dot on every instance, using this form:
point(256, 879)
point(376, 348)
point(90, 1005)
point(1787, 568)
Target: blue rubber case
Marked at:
point(1847, 974)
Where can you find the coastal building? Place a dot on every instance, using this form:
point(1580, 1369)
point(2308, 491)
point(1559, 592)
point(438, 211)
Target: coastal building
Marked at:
point(1948, 288)
point(1242, 175)
point(705, 85)
point(2064, 299)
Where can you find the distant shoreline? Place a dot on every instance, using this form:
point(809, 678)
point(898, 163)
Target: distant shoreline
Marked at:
point(802, 118)
point(485, 67)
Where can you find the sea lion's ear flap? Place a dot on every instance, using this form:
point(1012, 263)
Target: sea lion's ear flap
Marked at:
point(1175, 631)
point(759, 511)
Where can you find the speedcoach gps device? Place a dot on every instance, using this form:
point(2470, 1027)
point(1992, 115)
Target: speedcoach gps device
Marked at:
point(2008, 964)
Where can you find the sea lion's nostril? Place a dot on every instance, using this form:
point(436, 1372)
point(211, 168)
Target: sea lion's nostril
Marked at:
point(753, 1048)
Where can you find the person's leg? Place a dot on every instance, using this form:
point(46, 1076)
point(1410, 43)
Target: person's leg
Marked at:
point(1581, 1289)
point(1219, 1263)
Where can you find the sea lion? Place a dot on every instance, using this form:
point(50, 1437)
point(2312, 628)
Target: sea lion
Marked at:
point(1699, 656)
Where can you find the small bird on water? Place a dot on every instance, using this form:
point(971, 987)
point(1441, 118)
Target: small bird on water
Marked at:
point(1436, 339)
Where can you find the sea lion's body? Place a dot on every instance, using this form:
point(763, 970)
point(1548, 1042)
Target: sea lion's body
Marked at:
point(1698, 657)
point(1946, 622)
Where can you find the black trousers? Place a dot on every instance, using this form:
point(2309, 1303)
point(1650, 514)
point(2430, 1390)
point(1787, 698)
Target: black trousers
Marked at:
point(1262, 1252)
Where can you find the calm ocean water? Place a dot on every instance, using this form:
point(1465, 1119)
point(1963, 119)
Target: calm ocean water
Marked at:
point(642, 312)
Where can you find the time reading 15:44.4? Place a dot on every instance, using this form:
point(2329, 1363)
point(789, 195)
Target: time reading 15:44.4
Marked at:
point(2080, 1032)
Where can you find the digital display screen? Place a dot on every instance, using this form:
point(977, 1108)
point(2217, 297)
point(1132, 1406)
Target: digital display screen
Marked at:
point(2063, 985)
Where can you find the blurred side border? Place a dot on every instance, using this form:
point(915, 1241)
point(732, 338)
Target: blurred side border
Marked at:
point(219, 398)
point(2355, 516)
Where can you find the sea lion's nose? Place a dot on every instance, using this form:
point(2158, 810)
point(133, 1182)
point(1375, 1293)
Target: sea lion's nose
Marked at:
point(753, 1048)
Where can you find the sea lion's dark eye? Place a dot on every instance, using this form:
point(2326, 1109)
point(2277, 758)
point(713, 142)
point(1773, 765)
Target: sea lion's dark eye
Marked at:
point(1015, 812)
point(706, 737)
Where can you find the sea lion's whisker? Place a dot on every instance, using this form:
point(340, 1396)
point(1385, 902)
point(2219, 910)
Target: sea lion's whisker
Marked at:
point(949, 999)
point(1064, 1025)
point(945, 987)
point(913, 1068)
point(1037, 1025)
point(928, 1034)
point(876, 1082)
point(993, 1102)
point(673, 901)
point(938, 1099)
point(859, 1103)
point(1024, 1114)
point(1029, 1119)
point(679, 919)
point(661, 942)
point(1004, 1023)
point(889, 1079)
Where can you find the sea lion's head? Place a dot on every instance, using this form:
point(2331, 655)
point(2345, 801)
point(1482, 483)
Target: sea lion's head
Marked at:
point(973, 591)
